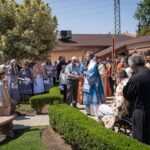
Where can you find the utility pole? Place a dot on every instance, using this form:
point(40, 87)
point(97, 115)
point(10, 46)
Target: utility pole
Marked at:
point(117, 21)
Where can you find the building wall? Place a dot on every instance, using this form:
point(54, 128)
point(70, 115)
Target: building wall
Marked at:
point(69, 53)
point(139, 47)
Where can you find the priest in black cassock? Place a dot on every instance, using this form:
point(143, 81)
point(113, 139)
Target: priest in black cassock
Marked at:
point(137, 92)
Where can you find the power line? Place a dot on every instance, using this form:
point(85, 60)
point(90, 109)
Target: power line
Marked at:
point(70, 6)
point(102, 12)
point(84, 10)
point(90, 14)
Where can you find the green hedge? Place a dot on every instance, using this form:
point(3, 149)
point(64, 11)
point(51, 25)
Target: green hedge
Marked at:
point(38, 101)
point(86, 134)
point(55, 91)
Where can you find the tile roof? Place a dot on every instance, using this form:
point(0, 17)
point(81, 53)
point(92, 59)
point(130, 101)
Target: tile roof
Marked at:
point(93, 40)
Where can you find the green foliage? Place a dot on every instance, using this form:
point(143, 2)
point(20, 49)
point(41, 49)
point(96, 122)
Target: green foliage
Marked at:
point(27, 30)
point(38, 101)
point(143, 16)
point(55, 91)
point(30, 140)
point(7, 18)
point(24, 108)
point(86, 134)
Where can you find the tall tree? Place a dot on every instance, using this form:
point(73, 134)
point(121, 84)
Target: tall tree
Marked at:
point(7, 18)
point(143, 16)
point(34, 33)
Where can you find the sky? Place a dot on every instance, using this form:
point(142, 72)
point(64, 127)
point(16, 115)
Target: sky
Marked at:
point(93, 16)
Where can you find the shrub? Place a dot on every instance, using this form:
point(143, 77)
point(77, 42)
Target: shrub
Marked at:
point(55, 91)
point(86, 134)
point(38, 101)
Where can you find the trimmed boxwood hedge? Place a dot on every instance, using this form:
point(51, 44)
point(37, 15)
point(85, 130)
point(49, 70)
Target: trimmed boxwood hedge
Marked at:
point(86, 134)
point(55, 91)
point(38, 101)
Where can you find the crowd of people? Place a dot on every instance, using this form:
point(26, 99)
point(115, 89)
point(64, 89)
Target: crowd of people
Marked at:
point(28, 78)
point(89, 81)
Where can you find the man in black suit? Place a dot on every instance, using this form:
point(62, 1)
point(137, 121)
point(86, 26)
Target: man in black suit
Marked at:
point(137, 92)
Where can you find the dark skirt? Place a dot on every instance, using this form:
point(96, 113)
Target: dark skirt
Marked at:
point(141, 125)
point(25, 89)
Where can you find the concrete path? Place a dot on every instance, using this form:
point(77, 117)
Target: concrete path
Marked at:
point(22, 122)
point(82, 109)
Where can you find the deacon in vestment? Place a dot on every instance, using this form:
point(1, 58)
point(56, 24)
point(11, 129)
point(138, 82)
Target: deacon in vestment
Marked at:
point(93, 93)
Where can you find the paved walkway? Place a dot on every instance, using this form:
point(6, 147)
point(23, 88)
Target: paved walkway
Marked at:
point(22, 122)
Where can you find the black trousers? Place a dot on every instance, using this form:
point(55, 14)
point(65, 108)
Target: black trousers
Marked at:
point(54, 80)
point(65, 92)
point(72, 92)
point(141, 125)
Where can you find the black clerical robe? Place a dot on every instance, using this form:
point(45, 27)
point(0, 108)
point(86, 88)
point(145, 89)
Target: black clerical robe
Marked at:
point(137, 92)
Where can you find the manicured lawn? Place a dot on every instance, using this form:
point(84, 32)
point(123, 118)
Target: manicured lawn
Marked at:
point(29, 140)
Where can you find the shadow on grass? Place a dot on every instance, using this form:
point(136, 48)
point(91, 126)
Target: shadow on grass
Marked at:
point(18, 133)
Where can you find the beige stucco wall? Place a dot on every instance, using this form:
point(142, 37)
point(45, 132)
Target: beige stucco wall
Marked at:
point(70, 53)
point(67, 54)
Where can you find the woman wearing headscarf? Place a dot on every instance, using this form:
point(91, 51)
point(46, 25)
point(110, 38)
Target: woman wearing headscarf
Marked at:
point(7, 106)
point(13, 80)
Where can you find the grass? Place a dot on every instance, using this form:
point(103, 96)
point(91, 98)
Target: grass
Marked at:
point(29, 140)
